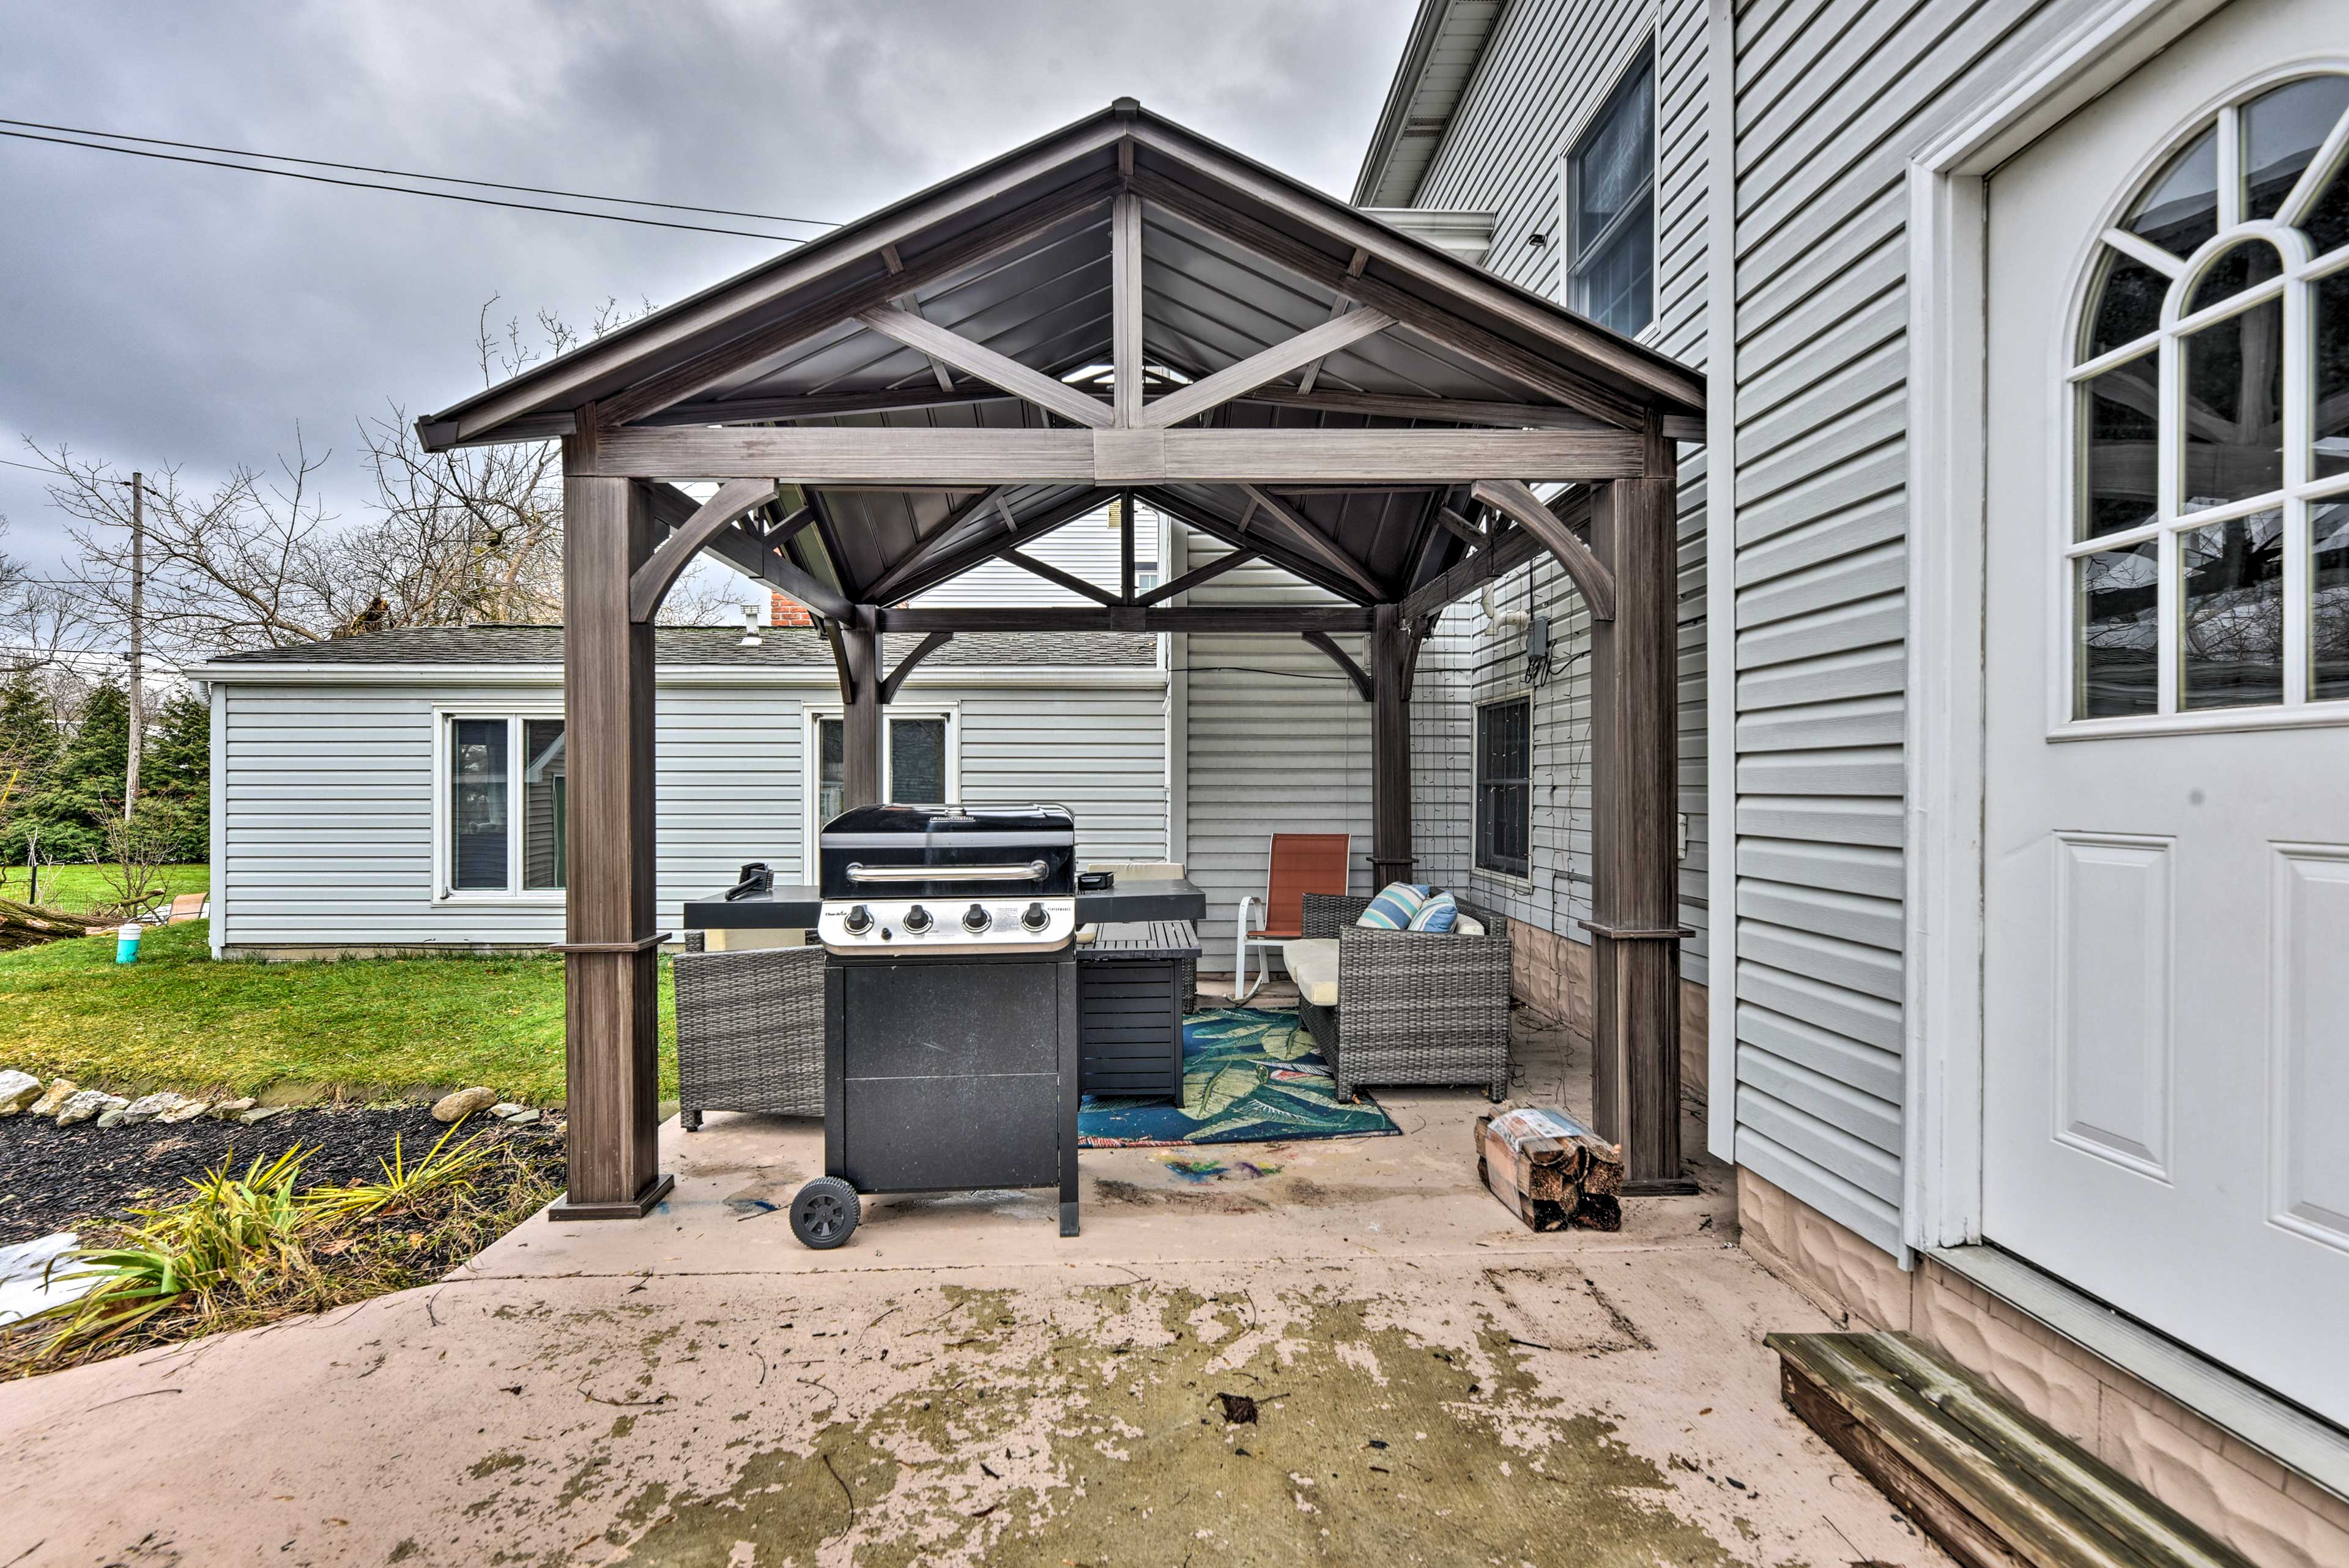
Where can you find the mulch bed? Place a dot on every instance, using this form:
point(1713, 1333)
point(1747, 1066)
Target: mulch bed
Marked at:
point(55, 1178)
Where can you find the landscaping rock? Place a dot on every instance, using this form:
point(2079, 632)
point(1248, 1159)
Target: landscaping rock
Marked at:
point(60, 1091)
point(187, 1111)
point(229, 1110)
point(17, 1090)
point(523, 1118)
point(87, 1104)
point(456, 1107)
point(146, 1108)
point(262, 1114)
point(505, 1108)
point(112, 1117)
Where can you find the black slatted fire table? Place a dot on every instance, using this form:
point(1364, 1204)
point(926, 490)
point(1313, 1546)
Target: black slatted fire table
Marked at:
point(1130, 1005)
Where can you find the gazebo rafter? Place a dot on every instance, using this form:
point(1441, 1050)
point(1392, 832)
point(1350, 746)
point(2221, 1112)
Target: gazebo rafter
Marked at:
point(1120, 309)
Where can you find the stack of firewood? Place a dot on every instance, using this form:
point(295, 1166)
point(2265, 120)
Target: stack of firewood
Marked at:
point(1549, 1169)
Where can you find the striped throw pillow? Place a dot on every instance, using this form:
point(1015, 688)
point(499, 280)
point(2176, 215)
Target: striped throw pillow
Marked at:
point(1397, 902)
point(1438, 914)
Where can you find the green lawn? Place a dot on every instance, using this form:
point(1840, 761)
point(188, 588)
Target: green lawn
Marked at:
point(80, 888)
point(370, 1028)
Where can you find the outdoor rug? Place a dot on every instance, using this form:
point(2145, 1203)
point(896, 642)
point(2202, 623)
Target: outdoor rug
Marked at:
point(1249, 1075)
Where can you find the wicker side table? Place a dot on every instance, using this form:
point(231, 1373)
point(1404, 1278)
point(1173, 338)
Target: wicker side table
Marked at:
point(749, 1031)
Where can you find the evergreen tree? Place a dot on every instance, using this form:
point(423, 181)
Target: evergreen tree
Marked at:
point(28, 741)
point(176, 772)
point(83, 789)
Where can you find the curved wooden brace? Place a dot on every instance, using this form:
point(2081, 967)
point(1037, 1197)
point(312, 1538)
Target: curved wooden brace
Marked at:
point(1339, 657)
point(914, 655)
point(650, 583)
point(1590, 575)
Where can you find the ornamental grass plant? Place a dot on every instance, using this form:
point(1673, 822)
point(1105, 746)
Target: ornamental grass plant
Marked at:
point(244, 1250)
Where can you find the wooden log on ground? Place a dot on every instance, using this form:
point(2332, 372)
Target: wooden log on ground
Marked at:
point(29, 925)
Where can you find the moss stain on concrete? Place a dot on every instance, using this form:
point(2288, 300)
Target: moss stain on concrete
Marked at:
point(1088, 1432)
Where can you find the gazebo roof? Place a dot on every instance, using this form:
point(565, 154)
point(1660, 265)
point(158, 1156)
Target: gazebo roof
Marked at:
point(988, 303)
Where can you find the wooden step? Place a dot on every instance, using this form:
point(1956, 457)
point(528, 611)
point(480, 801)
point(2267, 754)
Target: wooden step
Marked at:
point(1996, 1488)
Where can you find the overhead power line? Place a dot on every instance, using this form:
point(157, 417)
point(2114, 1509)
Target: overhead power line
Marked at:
point(413, 190)
point(413, 175)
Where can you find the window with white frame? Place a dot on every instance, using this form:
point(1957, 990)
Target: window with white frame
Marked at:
point(2207, 565)
point(1504, 755)
point(917, 760)
point(1610, 206)
point(503, 804)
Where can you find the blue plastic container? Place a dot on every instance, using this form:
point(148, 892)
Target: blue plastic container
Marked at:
point(126, 942)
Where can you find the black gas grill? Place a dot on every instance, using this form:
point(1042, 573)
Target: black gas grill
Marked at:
point(951, 1007)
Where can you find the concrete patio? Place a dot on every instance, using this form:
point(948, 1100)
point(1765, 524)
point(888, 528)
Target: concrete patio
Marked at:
point(959, 1385)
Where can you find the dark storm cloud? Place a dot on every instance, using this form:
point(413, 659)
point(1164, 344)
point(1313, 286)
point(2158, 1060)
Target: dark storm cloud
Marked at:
point(155, 313)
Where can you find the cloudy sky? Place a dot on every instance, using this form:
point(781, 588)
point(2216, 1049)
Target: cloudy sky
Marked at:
point(155, 314)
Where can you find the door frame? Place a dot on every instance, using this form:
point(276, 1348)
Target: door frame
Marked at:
point(1948, 320)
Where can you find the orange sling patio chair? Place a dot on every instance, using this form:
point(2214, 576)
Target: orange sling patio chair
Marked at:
point(1298, 863)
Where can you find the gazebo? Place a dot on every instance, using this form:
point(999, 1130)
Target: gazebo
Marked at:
point(1122, 308)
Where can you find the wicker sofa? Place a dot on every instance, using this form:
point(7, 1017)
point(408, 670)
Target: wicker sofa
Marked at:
point(749, 1031)
point(1407, 1007)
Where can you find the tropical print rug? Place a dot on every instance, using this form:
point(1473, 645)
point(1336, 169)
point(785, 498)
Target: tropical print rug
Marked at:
point(1249, 1075)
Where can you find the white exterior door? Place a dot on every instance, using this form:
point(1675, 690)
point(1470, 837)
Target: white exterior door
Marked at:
point(2165, 985)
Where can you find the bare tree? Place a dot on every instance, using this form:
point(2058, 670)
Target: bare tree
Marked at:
point(457, 538)
point(248, 564)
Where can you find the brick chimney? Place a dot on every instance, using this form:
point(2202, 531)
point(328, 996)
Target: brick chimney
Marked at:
point(781, 611)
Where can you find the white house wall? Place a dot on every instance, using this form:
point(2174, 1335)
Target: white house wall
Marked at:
point(1832, 101)
point(324, 795)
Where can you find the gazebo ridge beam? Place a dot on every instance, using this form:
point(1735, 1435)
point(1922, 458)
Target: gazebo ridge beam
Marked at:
point(1112, 459)
point(1287, 620)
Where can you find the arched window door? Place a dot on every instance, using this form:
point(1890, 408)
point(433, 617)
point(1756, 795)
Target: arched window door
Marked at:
point(2207, 565)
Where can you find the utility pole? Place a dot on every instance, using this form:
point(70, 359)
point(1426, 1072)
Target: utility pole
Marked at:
point(138, 639)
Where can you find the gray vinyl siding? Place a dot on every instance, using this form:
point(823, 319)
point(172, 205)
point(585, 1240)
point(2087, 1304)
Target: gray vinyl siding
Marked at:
point(1831, 100)
point(326, 829)
point(325, 796)
point(1280, 741)
point(1549, 64)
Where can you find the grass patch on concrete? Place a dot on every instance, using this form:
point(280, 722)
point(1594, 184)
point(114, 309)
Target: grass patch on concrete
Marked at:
point(77, 890)
point(370, 1029)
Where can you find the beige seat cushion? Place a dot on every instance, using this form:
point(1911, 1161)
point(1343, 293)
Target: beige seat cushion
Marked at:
point(1312, 963)
point(1467, 926)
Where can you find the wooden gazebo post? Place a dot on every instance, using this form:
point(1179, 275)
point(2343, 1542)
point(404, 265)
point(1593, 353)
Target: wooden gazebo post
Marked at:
point(1390, 655)
point(1635, 928)
point(611, 951)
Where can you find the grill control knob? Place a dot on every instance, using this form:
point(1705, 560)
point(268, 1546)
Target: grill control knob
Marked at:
point(1034, 918)
point(976, 920)
point(917, 920)
point(858, 921)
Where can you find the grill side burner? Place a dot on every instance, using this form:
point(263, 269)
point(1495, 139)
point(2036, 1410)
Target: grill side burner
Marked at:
point(950, 1004)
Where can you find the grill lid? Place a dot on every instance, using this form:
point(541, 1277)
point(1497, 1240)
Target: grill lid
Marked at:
point(975, 851)
point(891, 826)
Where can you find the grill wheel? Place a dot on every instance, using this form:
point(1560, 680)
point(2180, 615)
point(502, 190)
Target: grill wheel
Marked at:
point(824, 1213)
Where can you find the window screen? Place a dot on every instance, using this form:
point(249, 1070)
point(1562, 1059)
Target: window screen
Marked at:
point(1504, 786)
point(478, 770)
point(545, 800)
point(1611, 209)
point(917, 762)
